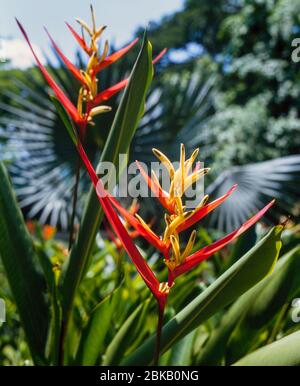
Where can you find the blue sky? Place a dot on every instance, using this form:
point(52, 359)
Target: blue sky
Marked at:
point(121, 16)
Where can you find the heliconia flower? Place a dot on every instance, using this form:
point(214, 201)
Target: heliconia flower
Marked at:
point(88, 97)
point(154, 239)
point(177, 261)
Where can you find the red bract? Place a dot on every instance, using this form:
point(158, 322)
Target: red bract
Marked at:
point(64, 100)
point(115, 56)
point(150, 236)
point(80, 40)
point(73, 69)
point(159, 56)
point(109, 92)
point(204, 253)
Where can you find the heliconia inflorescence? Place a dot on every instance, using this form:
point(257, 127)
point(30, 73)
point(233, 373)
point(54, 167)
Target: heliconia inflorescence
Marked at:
point(177, 260)
point(90, 100)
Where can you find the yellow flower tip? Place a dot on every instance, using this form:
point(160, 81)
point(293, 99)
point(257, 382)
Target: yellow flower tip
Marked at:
point(164, 288)
point(105, 51)
point(175, 245)
point(205, 199)
point(187, 214)
point(178, 220)
point(193, 235)
point(194, 155)
point(143, 223)
point(84, 25)
point(93, 17)
point(171, 264)
point(99, 110)
point(165, 161)
point(189, 246)
point(156, 152)
point(99, 32)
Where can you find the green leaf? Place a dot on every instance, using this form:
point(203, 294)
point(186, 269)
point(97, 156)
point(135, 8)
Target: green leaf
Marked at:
point(246, 241)
point(284, 352)
point(245, 273)
point(20, 263)
point(268, 301)
point(123, 128)
point(93, 335)
point(253, 310)
point(181, 352)
point(52, 346)
point(123, 339)
point(65, 119)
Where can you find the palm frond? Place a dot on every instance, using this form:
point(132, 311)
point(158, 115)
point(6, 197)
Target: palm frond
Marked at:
point(258, 183)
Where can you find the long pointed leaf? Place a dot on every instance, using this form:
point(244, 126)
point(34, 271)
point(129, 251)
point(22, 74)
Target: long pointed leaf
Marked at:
point(257, 307)
point(20, 262)
point(93, 335)
point(284, 352)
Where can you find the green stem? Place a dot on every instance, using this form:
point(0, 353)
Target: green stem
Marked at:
point(161, 310)
point(75, 198)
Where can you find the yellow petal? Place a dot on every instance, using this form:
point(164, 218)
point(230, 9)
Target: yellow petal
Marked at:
point(194, 177)
point(93, 18)
point(84, 26)
point(178, 201)
point(105, 51)
point(182, 168)
point(165, 161)
point(175, 247)
point(144, 224)
point(175, 224)
point(189, 245)
point(99, 110)
point(99, 32)
point(190, 161)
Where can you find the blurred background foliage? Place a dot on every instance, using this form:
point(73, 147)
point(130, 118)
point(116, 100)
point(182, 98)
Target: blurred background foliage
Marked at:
point(227, 85)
